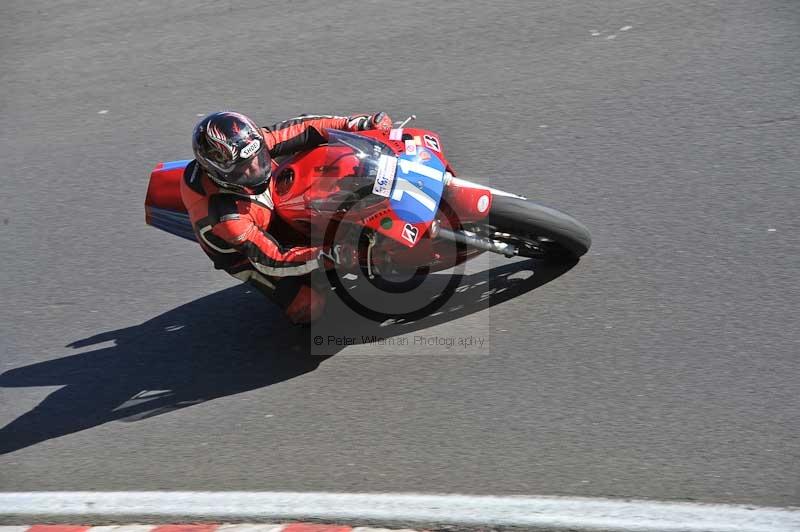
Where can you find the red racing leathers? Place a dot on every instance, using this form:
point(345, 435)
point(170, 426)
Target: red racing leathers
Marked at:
point(232, 229)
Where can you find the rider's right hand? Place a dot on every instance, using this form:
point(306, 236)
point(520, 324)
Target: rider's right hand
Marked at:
point(381, 121)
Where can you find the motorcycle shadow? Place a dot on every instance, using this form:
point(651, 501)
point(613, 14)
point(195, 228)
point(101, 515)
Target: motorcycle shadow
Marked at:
point(348, 323)
point(223, 344)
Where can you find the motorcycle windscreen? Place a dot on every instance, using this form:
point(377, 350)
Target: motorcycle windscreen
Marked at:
point(412, 181)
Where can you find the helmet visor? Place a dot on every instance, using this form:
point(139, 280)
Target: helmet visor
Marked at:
point(248, 174)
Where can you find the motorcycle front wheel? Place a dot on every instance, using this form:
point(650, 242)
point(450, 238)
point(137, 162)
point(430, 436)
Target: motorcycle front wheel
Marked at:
point(535, 230)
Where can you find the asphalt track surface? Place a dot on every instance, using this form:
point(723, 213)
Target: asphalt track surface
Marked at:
point(663, 365)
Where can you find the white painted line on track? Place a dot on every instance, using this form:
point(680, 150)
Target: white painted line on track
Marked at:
point(386, 508)
point(249, 528)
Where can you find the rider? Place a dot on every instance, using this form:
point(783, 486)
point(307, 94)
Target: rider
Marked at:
point(228, 193)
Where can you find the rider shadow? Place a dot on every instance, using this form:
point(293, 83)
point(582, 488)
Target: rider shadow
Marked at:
point(222, 344)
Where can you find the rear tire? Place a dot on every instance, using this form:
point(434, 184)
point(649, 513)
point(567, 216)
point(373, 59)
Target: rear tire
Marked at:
point(538, 231)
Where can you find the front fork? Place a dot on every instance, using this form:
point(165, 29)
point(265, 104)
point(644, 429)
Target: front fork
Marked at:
point(470, 204)
point(462, 236)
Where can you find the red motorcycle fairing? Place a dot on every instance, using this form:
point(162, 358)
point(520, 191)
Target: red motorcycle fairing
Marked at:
point(310, 179)
point(163, 205)
point(164, 189)
point(470, 203)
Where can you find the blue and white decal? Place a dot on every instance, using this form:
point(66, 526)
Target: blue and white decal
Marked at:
point(418, 186)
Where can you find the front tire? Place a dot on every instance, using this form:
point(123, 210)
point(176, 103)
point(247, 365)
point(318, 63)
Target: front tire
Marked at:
point(536, 230)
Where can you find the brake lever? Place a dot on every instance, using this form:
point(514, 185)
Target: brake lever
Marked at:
point(406, 121)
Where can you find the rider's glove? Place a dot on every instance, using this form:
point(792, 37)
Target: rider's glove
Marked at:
point(380, 121)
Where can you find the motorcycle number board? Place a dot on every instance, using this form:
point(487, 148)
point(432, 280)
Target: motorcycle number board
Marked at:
point(416, 186)
point(385, 178)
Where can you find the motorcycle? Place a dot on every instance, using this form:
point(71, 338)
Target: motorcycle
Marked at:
point(394, 196)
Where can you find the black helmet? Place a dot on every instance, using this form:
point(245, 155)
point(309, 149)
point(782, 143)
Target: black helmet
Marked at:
point(231, 148)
